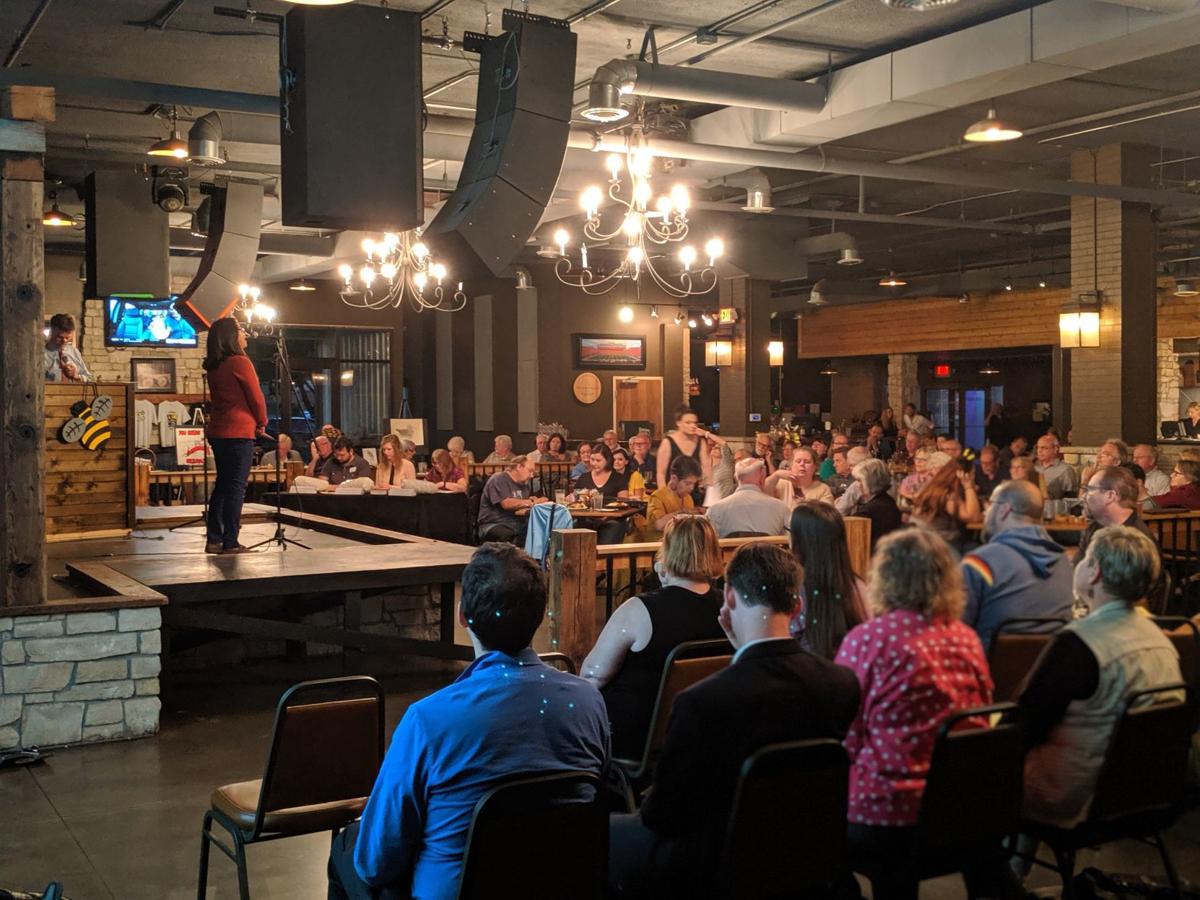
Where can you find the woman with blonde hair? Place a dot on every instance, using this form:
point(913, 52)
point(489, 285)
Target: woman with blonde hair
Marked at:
point(631, 652)
point(916, 663)
point(1191, 424)
point(444, 473)
point(394, 467)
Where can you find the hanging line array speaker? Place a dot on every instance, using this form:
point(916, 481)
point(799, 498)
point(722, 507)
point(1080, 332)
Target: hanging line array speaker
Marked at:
point(522, 122)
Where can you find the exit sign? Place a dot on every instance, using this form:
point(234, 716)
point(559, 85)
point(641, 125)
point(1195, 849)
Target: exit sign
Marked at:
point(941, 370)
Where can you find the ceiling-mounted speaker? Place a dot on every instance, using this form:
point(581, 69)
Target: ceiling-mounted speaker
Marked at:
point(522, 122)
point(351, 119)
point(235, 222)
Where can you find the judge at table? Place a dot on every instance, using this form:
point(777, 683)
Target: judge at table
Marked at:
point(444, 473)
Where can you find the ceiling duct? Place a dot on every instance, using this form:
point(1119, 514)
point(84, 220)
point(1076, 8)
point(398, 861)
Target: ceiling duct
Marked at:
point(1159, 6)
point(204, 141)
point(849, 257)
point(618, 77)
point(758, 190)
point(834, 242)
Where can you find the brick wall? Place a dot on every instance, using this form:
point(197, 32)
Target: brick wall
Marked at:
point(1169, 379)
point(903, 382)
point(72, 678)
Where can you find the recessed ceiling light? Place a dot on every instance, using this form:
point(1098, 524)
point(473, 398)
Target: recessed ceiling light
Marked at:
point(991, 130)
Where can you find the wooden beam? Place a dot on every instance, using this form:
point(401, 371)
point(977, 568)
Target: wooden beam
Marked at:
point(22, 286)
point(574, 622)
point(28, 103)
point(22, 137)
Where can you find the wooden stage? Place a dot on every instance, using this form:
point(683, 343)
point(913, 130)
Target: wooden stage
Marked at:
point(223, 593)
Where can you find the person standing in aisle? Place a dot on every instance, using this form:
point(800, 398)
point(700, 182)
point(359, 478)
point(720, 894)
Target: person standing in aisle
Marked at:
point(238, 415)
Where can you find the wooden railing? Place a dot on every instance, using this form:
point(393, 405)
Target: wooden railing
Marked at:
point(552, 475)
point(581, 601)
point(1178, 538)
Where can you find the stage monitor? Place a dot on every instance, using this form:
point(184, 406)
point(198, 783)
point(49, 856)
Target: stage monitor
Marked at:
point(143, 320)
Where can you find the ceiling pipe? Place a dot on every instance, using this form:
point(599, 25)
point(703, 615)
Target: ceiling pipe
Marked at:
point(204, 140)
point(23, 37)
point(618, 77)
point(758, 189)
point(769, 30)
point(839, 215)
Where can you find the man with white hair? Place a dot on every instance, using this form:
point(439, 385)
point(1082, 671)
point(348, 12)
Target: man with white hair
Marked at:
point(1145, 457)
point(502, 452)
point(854, 493)
point(748, 510)
point(540, 442)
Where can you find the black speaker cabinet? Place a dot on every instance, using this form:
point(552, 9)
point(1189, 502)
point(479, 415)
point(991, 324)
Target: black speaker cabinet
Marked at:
point(522, 122)
point(229, 254)
point(350, 119)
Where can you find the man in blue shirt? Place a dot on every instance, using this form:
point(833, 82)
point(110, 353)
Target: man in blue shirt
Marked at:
point(507, 714)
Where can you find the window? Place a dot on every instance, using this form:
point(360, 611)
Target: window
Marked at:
point(340, 376)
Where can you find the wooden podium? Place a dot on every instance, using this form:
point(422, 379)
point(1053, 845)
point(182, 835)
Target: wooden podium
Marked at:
point(89, 492)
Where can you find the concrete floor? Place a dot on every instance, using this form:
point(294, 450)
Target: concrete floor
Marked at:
point(121, 821)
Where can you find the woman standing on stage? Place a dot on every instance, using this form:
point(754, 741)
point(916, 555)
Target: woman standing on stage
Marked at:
point(237, 415)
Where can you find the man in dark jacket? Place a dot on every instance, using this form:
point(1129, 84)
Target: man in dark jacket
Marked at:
point(773, 691)
point(1020, 572)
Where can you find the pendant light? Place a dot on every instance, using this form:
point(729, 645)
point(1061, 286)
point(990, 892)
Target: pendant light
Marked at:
point(991, 130)
point(1183, 287)
point(55, 217)
point(173, 146)
point(988, 369)
point(829, 369)
point(892, 281)
point(302, 285)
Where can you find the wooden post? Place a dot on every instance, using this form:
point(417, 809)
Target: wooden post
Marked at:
point(22, 288)
point(574, 625)
point(858, 536)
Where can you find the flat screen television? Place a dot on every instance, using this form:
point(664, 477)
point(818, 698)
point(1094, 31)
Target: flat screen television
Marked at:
point(143, 320)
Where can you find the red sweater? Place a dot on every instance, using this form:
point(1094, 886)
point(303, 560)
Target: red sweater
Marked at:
point(237, 407)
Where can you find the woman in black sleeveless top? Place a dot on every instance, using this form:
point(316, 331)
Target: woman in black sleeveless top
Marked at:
point(630, 654)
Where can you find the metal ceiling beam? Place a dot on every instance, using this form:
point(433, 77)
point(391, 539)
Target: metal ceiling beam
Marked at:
point(269, 243)
point(66, 83)
point(837, 215)
point(23, 37)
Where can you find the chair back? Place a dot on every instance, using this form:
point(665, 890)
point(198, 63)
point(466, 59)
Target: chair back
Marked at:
point(688, 663)
point(559, 661)
point(552, 826)
point(1013, 655)
point(1145, 768)
point(1185, 637)
point(973, 790)
point(787, 828)
point(327, 744)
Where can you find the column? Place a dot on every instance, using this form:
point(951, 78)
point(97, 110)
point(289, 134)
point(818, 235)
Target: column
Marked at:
point(746, 385)
point(903, 385)
point(22, 289)
point(1114, 387)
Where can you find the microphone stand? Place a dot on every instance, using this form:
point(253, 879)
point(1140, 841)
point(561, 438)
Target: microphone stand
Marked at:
point(279, 537)
point(203, 518)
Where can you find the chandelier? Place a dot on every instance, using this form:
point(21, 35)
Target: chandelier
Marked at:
point(259, 316)
point(399, 267)
point(642, 232)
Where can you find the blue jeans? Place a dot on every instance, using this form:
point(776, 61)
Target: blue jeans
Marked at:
point(233, 457)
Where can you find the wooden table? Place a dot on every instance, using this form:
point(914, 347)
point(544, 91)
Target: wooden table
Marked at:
point(443, 516)
point(597, 515)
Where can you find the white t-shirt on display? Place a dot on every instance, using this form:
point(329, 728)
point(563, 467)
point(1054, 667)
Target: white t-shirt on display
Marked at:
point(171, 414)
point(145, 417)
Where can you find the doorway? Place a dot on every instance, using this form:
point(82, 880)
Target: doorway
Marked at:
point(960, 411)
point(638, 399)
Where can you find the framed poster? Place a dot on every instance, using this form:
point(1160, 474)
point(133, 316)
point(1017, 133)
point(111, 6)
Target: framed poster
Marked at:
point(608, 351)
point(408, 429)
point(153, 375)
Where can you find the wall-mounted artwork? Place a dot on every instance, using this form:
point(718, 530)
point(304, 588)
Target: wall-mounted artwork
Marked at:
point(609, 351)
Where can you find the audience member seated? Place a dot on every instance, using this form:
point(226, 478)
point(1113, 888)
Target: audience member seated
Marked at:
point(854, 493)
point(878, 446)
point(1022, 469)
point(916, 664)
point(320, 451)
point(988, 474)
point(1017, 447)
point(621, 462)
point(502, 451)
point(887, 421)
point(541, 442)
point(611, 485)
point(394, 465)
point(673, 498)
point(584, 462)
point(445, 474)
point(764, 449)
point(284, 452)
point(1111, 498)
point(838, 440)
point(1157, 481)
point(749, 510)
point(1184, 492)
point(802, 478)
point(921, 475)
point(906, 452)
point(642, 460)
point(914, 421)
point(948, 504)
point(507, 714)
point(610, 439)
point(341, 466)
point(1021, 572)
point(556, 449)
point(1113, 452)
point(842, 477)
point(786, 451)
point(462, 457)
point(627, 661)
point(504, 495)
point(1061, 479)
point(772, 692)
point(873, 481)
point(1073, 698)
point(834, 599)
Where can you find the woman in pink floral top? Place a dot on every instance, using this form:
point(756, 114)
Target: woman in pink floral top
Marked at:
point(916, 663)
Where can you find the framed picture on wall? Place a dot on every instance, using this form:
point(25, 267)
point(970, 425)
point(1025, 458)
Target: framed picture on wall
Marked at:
point(608, 351)
point(153, 376)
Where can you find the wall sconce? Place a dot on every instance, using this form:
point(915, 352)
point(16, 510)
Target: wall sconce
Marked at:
point(347, 377)
point(775, 352)
point(718, 353)
point(1078, 328)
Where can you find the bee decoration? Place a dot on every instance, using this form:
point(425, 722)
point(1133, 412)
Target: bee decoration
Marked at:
point(88, 424)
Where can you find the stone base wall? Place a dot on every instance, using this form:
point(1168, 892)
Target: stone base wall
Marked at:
point(902, 386)
point(72, 678)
